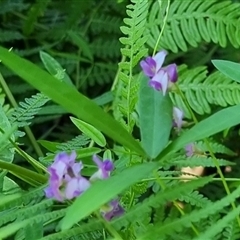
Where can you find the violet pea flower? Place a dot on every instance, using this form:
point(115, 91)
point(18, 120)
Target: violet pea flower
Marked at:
point(104, 168)
point(111, 210)
point(160, 77)
point(65, 180)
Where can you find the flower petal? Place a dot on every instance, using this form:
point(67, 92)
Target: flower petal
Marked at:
point(189, 149)
point(75, 187)
point(148, 66)
point(159, 59)
point(108, 165)
point(98, 161)
point(114, 209)
point(177, 117)
point(172, 72)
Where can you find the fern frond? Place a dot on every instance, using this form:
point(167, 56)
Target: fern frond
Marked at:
point(215, 147)
point(217, 227)
point(100, 74)
point(177, 225)
point(196, 161)
point(106, 23)
point(44, 218)
point(132, 52)
point(231, 232)
point(25, 212)
point(189, 24)
point(106, 48)
point(195, 199)
point(23, 114)
point(202, 91)
point(8, 36)
point(12, 5)
point(74, 144)
point(87, 231)
point(20, 199)
point(157, 200)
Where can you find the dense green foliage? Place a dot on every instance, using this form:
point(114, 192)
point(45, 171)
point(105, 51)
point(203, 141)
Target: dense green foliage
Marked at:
point(74, 49)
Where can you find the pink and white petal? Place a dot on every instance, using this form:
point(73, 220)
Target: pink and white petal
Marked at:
point(164, 83)
point(83, 184)
point(71, 188)
point(97, 175)
point(76, 168)
point(178, 117)
point(98, 161)
point(159, 59)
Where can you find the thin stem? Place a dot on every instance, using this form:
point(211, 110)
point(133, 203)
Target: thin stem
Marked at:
point(26, 128)
point(164, 24)
point(182, 179)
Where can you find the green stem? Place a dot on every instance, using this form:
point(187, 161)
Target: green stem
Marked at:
point(164, 24)
point(26, 128)
point(182, 179)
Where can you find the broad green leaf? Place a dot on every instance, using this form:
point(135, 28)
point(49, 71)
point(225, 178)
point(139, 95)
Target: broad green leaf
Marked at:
point(23, 172)
point(69, 98)
point(107, 154)
point(90, 131)
point(215, 123)
point(54, 68)
point(229, 69)
point(103, 191)
point(155, 118)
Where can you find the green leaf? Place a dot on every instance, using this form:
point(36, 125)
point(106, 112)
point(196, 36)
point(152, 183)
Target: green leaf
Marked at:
point(54, 68)
point(229, 69)
point(155, 118)
point(70, 99)
point(216, 123)
point(23, 172)
point(90, 131)
point(103, 191)
point(50, 146)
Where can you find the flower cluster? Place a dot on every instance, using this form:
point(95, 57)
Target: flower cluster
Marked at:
point(161, 78)
point(66, 181)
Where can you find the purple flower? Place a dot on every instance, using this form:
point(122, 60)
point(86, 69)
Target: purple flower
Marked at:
point(104, 168)
point(65, 180)
point(177, 117)
point(111, 210)
point(152, 65)
point(160, 77)
point(189, 149)
point(193, 148)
